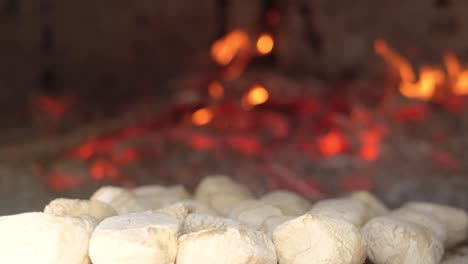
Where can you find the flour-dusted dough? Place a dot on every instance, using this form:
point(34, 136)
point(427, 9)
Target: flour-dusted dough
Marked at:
point(425, 219)
point(391, 240)
point(253, 212)
point(157, 196)
point(221, 192)
point(74, 207)
point(227, 245)
point(143, 238)
point(122, 200)
point(271, 223)
point(42, 238)
point(289, 202)
point(455, 220)
point(319, 240)
point(376, 207)
point(199, 207)
point(354, 211)
point(199, 222)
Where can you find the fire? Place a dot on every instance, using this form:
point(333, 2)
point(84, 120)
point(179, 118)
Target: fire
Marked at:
point(265, 44)
point(257, 95)
point(431, 79)
point(425, 88)
point(216, 90)
point(457, 74)
point(225, 50)
point(202, 117)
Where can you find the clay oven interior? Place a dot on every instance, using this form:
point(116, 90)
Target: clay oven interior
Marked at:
point(110, 92)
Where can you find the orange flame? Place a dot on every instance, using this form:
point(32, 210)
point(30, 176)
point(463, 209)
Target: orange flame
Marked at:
point(430, 78)
point(425, 88)
point(216, 90)
point(256, 95)
point(394, 59)
point(225, 49)
point(457, 74)
point(265, 43)
point(202, 117)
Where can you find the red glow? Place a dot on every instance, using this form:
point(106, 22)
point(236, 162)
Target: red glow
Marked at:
point(356, 182)
point(54, 107)
point(273, 17)
point(332, 144)
point(308, 106)
point(125, 156)
point(455, 104)
point(57, 181)
point(369, 152)
point(370, 140)
point(201, 142)
point(412, 112)
point(86, 150)
point(278, 123)
point(101, 169)
point(447, 160)
point(309, 188)
point(244, 144)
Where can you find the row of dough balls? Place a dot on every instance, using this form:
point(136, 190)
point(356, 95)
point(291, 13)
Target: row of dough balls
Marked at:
point(224, 223)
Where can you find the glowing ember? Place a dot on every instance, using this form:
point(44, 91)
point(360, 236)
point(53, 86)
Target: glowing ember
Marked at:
point(224, 50)
point(369, 152)
point(370, 140)
point(101, 168)
point(265, 43)
point(86, 150)
point(216, 90)
point(202, 117)
point(201, 142)
point(257, 95)
point(332, 144)
point(54, 107)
